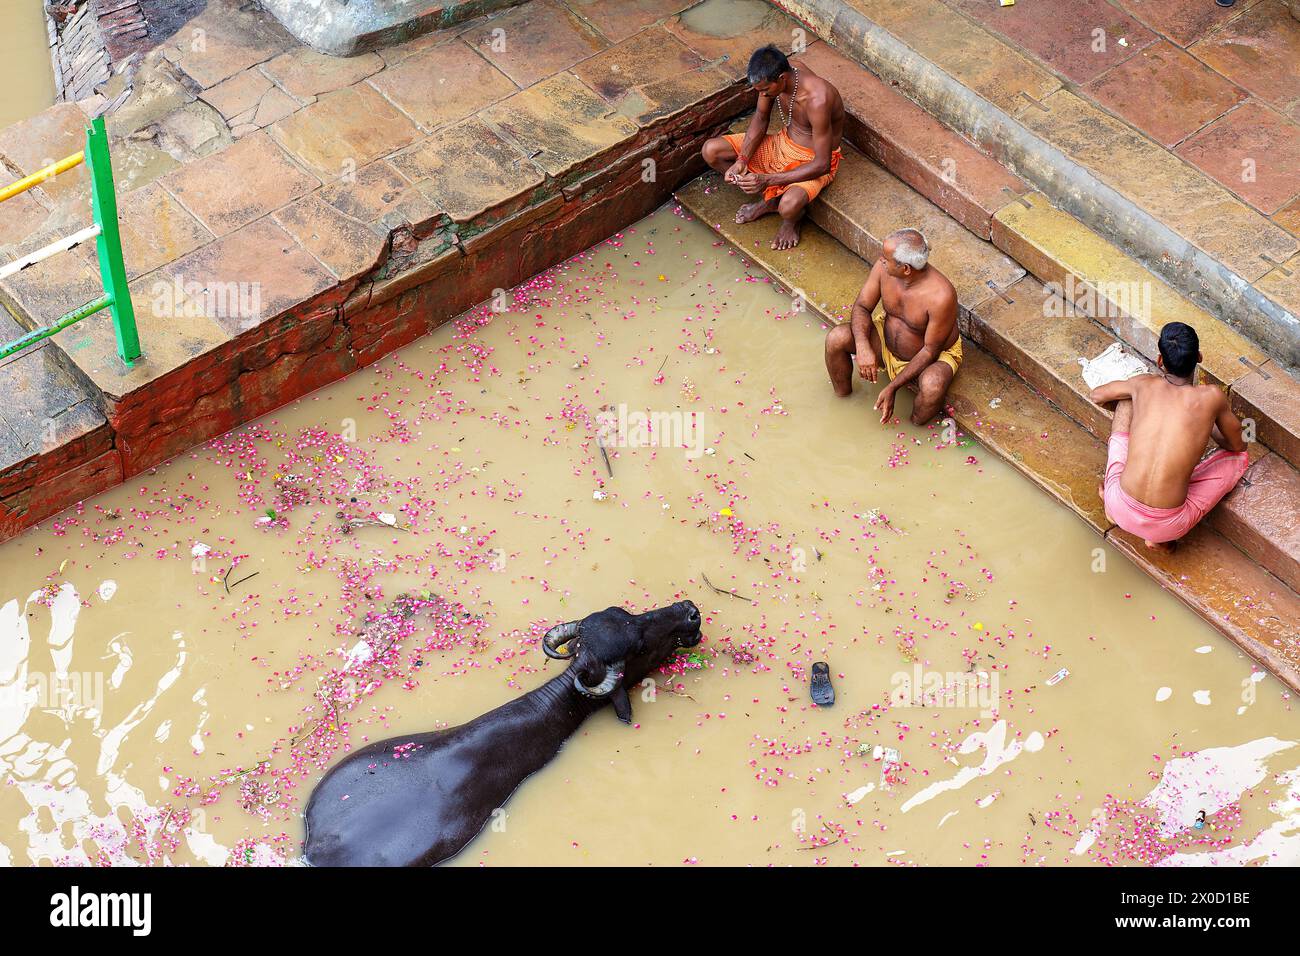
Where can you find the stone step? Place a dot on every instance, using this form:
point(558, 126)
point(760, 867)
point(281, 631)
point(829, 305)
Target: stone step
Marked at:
point(898, 135)
point(1133, 302)
point(1224, 585)
point(1262, 518)
point(1038, 336)
point(1158, 207)
point(865, 203)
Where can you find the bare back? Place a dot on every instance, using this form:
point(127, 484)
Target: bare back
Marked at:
point(1171, 426)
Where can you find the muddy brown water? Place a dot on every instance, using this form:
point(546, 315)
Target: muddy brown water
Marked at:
point(174, 669)
point(25, 69)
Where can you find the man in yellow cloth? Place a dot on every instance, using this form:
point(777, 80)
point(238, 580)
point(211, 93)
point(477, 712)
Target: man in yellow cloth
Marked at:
point(789, 167)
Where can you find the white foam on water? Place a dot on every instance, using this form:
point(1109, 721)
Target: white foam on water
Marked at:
point(107, 589)
point(996, 753)
point(64, 611)
point(859, 793)
point(1086, 839)
point(1209, 780)
point(1278, 845)
point(947, 816)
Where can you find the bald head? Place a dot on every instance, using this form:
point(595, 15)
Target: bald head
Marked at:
point(907, 247)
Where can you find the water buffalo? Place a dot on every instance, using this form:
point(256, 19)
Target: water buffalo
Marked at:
point(417, 800)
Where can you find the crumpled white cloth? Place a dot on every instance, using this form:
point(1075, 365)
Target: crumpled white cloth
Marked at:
point(1112, 365)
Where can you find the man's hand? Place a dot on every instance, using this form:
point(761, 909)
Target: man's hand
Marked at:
point(751, 182)
point(738, 169)
point(868, 365)
point(885, 403)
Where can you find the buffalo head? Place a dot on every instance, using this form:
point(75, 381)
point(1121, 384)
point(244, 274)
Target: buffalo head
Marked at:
point(612, 649)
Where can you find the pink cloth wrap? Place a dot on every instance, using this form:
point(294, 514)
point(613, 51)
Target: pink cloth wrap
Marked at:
point(1213, 477)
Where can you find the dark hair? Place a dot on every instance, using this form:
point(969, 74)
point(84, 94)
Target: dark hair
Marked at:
point(1179, 347)
point(767, 64)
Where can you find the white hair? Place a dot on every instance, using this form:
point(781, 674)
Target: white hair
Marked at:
point(910, 248)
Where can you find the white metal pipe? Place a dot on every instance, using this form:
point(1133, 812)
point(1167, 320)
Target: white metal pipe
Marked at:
point(54, 248)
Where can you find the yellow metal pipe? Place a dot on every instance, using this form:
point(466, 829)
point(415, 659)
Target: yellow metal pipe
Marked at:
point(38, 177)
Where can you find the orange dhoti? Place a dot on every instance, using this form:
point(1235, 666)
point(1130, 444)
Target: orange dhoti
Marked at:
point(778, 154)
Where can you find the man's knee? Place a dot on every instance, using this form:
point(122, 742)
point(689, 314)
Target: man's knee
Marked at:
point(715, 150)
point(932, 386)
point(839, 339)
point(792, 203)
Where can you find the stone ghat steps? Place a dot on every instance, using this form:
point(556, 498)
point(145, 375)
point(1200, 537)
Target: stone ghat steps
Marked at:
point(1224, 585)
point(1157, 206)
point(1027, 326)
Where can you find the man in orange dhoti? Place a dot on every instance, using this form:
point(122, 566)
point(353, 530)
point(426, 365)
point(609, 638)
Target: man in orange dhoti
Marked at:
point(791, 166)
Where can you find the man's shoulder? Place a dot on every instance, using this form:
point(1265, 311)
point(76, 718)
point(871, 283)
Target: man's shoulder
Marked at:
point(940, 290)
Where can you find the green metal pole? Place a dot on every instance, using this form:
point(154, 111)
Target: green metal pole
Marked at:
point(112, 271)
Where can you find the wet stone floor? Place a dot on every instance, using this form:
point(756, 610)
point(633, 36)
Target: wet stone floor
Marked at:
point(183, 657)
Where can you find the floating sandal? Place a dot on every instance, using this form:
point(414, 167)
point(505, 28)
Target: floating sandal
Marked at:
point(820, 689)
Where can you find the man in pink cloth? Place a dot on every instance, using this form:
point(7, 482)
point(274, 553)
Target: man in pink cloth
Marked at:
point(1157, 485)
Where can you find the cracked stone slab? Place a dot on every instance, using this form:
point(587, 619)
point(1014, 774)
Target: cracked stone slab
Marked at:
point(343, 131)
point(345, 246)
point(443, 84)
point(535, 40)
point(223, 40)
point(379, 191)
point(232, 188)
point(468, 169)
point(651, 76)
point(560, 123)
point(239, 93)
point(307, 74)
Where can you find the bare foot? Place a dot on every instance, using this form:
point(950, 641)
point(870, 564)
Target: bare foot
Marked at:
point(787, 237)
point(754, 210)
point(1161, 547)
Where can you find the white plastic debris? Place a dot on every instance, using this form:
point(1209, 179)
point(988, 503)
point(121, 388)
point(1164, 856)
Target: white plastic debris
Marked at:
point(360, 653)
point(107, 589)
point(1112, 365)
point(199, 549)
point(388, 519)
point(598, 495)
point(1056, 678)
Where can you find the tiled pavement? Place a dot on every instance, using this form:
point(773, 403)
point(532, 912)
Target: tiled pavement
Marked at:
point(1218, 86)
point(282, 211)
